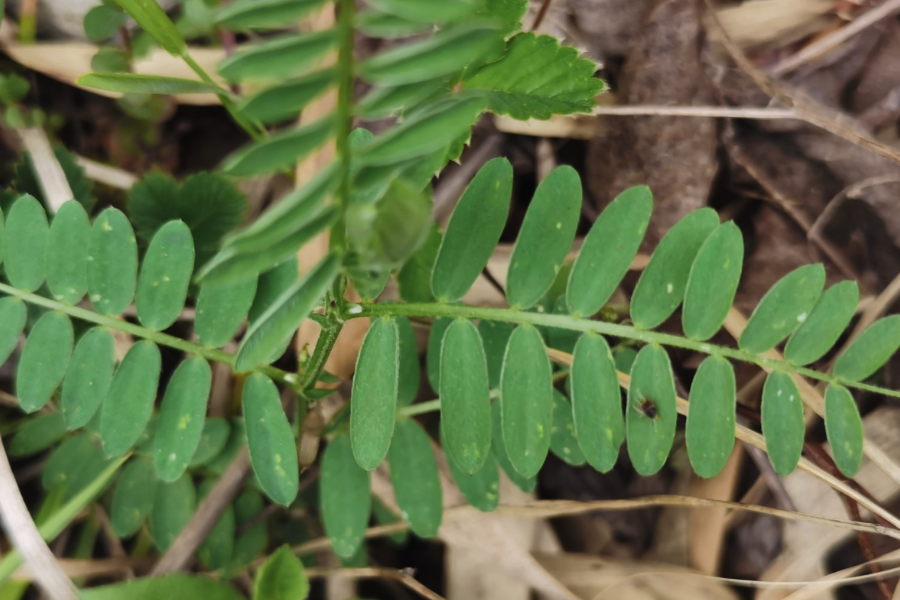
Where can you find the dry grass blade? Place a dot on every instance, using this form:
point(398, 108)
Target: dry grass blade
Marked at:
point(47, 169)
point(403, 576)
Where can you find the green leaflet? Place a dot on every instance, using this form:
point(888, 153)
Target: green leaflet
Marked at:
point(279, 151)
point(545, 238)
point(221, 310)
point(783, 309)
point(844, 428)
point(481, 488)
point(373, 400)
point(277, 58)
point(181, 418)
point(870, 350)
point(414, 474)
point(171, 587)
point(556, 80)
point(425, 13)
point(88, 376)
point(662, 285)
point(410, 371)
point(3, 235)
point(710, 423)
point(608, 250)
point(473, 231)
point(212, 440)
point(526, 484)
point(563, 440)
point(133, 497)
point(44, 360)
point(596, 402)
point(273, 451)
point(272, 284)
point(507, 12)
point(74, 465)
point(824, 325)
point(433, 357)
point(38, 433)
point(652, 410)
point(13, 314)
point(281, 577)
point(112, 262)
point(173, 507)
point(26, 244)
point(414, 279)
point(165, 275)
point(494, 337)
point(131, 83)
point(384, 102)
point(263, 14)
point(129, 403)
point(526, 390)
point(67, 252)
point(283, 101)
point(713, 282)
point(154, 21)
point(345, 499)
point(377, 24)
point(102, 22)
point(248, 545)
point(447, 51)
point(465, 397)
point(280, 321)
point(218, 546)
point(782, 422)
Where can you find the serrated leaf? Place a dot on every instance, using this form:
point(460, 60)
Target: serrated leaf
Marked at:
point(870, 350)
point(112, 262)
point(652, 410)
point(279, 151)
point(286, 100)
point(538, 78)
point(165, 276)
point(132, 83)
point(281, 577)
point(410, 371)
point(129, 403)
point(433, 353)
point(414, 279)
point(425, 13)
point(783, 309)
point(384, 102)
point(281, 320)
point(44, 360)
point(782, 422)
point(88, 376)
point(373, 400)
point(277, 58)
point(173, 507)
point(263, 14)
point(221, 310)
point(181, 417)
point(133, 497)
point(844, 428)
point(74, 465)
point(154, 21)
point(67, 253)
point(713, 282)
point(102, 22)
point(526, 391)
point(273, 452)
point(661, 287)
point(414, 474)
point(465, 397)
point(26, 244)
point(218, 546)
point(545, 238)
point(596, 402)
point(37, 434)
point(13, 314)
point(608, 251)
point(711, 418)
point(498, 448)
point(481, 488)
point(824, 325)
point(474, 229)
point(345, 499)
point(563, 441)
point(215, 435)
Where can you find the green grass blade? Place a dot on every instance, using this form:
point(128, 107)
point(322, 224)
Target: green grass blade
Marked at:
point(782, 422)
point(88, 376)
point(597, 402)
point(44, 359)
point(868, 352)
point(181, 417)
point(171, 587)
point(221, 310)
point(414, 474)
point(713, 282)
point(273, 452)
point(129, 403)
point(133, 497)
point(844, 428)
point(165, 276)
point(652, 410)
point(27, 234)
point(711, 420)
point(112, 263)
point(345, 498)
point(824, 325)
point(67, 253)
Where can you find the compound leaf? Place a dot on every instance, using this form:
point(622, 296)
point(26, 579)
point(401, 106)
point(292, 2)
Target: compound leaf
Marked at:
point(824, 325)
point(652, 410)
point(273, 452)
point(868, 352)
point(713, 282)
point(844, 428)
point(415, 477)
point(133, 497)
point(494, 337)
point(112, 262)
point(129, 403)
point(221, 310)
point(215, 436)
point(711, 418)
point(414, 279)
point(67, 253)
point(344, 497)
point(44, 359)
point(26, 244)
point(782, 422)
point(88, 376)
point(165, 276)
point(181, 417)
point(596, 402)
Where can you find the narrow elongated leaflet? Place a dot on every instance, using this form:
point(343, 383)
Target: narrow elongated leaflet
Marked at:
point(88, 376)
point(44, 360)
point(74, 465)
point(783, 309)
point(273, 452)
point(13, 314)
point(285, 100)
point(465, 397)
point(710, 423)
point(563, 441)
point(870, 350)
point(251, 543)
point(38, 433)
point(481, 488)
point(215, 436)
point(828, 319)
point(165, 275)
point(431, 13)
point(173, 507)
point(181, 417)
point(154, 21)
point(494, 337)
point(498, 448)
point(133, 497)
point(414, 279)
point(782, 422)
point(388, 101)
point(2, 235)
point(652, 410)
point(345, 498)
point(383, 25)
point(26, 244)
point(132, 83)
point(112, 262)
point(221, 310)
point(216, 550)
point(280, 150)
point(281, 577)
point(663, 282)
point(373, 400)
point(526, 391)
point(545, 238)
point(415, 477)
point(272, 284)
point(167, 586)
point(433, 357)
point(713, 282)
point(252, 14)
point(844, 428)
point(596, 402)
point(278, 57)
point(67, 252)
point(129, 403)
point(473, 231)
point(608, 250)
point(280, 321)
point(410, 371)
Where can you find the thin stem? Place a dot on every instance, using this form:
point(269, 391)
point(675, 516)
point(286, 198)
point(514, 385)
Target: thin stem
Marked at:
point(324, 346)
point(611, 329)
point(346, 15)
point(420, 409)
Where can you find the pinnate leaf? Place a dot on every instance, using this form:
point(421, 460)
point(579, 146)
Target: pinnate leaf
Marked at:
point(711, 419)
point(652, 410)
point(88, 376)
point(597, 402)
point(44, 360)
point(67, 252)
point(870, 350)
point(129, 403)
point(414, 474)
point(26, 244)
point(563, 441)
point(782, 422)
point(345, 498)
point(498, 447)
point(270, 440)
point(373, 400)
point(181, 417)
point(433, 358)
point(713, 282)
point(824, 325)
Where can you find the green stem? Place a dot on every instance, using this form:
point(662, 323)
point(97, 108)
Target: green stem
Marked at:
point(254, 130)
point(510, 315)
point(324, 346)
point(420, 408)
point(345, 24)
point(157, 337)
